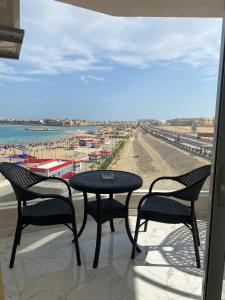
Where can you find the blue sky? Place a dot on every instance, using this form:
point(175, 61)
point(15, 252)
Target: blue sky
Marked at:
point(80, 64)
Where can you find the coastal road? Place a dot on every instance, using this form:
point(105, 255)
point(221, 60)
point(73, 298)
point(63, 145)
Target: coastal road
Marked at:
point(186, 141)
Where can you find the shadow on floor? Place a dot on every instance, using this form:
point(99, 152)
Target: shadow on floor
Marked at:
point(177, 250)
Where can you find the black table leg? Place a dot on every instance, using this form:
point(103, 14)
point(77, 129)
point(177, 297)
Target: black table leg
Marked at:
point(85, 215)
point(111, 221)
point(99, 231)
point(127, 222)
point(112, 225)
point(98, 244)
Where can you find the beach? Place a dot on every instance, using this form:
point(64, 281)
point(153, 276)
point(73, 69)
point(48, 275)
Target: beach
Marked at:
point(142, 153)
point(151, 158)
point(66, 147)
point(18, 134)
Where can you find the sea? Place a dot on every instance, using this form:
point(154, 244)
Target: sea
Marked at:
point(15, 134)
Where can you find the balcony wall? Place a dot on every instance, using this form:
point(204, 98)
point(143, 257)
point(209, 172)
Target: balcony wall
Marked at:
point(8, 209)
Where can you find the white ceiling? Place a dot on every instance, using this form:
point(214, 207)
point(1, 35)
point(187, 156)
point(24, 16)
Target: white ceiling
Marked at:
point(154, 8)
point(10, 14)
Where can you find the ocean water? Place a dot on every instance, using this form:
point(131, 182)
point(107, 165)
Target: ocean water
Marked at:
point(18, 134)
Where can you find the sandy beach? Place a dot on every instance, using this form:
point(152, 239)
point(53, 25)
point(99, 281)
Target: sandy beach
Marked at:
point(150, 158)
point(142, 154)
point(66, 148)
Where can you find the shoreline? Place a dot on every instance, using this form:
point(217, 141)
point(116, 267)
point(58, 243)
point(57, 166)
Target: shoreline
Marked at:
point(67, 147)
point(21, 136)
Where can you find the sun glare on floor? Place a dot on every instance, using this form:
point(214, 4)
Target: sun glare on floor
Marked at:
point(41, 242)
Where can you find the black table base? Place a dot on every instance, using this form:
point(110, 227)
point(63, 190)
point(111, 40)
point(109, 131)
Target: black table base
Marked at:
point(106, 210)
point(99, 225)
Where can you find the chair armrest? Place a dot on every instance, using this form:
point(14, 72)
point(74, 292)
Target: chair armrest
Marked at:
point(161, 178)
point(166, 194)
point(68, 200)
point(188, 193)
point(182, 194)
point(44, 178)
point(142, 200)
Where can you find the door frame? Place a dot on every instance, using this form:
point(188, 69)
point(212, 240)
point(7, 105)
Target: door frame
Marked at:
point(215, 244)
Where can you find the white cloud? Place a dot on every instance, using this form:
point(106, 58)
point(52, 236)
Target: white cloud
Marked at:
point(132, 60)
point(87, 78)
point(8, 72)
point(61, 38)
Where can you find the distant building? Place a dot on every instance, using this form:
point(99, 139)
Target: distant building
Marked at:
point(180, 122)
point(103, 139)
point(95, 144)
point(206, 122)
point(77, 164)
point(105, 152)
point(50, 122)
point(74, 146)
point(194, 126)
point(94, 156)
point(189, 121)
point(86, 142)
point(155, 122)
point(58, 168)
point(68, 123)
point(58, 122)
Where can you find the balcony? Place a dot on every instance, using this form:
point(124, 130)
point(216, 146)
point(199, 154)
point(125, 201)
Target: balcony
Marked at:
point(45, 265)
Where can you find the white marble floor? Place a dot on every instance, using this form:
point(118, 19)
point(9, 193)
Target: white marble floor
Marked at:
point(45, 266)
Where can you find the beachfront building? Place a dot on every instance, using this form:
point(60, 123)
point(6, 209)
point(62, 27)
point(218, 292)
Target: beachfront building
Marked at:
point(52, 168)
point(68, 123)
point(77, 165)
point(103, 139)
point(95, 156)
point(95, 144)
point(98, 133)
point(105, 152)
point(74, 146)
point(86, 142)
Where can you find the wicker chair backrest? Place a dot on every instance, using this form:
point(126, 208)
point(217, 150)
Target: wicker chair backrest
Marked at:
point(20, 178)
point(193, 181)
point(194, 176)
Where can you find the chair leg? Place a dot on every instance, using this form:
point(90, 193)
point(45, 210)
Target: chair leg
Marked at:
point(195, 240)
point(146, 226)
point(85, 215)
point(112, 225)
point(15, 243)
point(76, 243)
point(19, 238)
point(98, 244)
point(197, 231)
point(135, 237)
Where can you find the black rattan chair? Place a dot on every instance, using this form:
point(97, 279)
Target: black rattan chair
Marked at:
point(55, 209)
point(160, 207)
